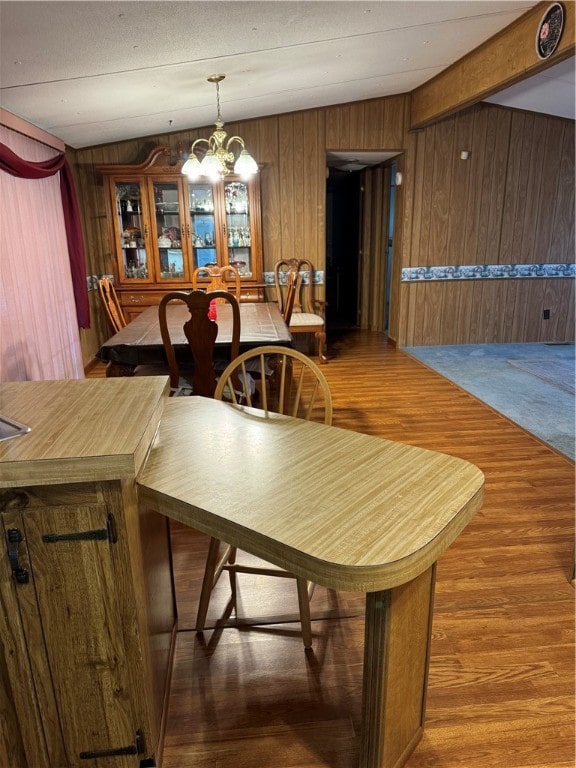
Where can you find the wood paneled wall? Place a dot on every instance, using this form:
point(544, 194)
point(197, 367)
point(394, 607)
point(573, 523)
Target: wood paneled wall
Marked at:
point(513, 200)
point(374, 246)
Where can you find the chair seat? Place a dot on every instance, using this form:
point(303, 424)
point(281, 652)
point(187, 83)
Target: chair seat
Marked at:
point(305, 319)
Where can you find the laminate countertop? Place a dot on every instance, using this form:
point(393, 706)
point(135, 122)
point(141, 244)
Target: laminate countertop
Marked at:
point(343, 509)
point(81, 430)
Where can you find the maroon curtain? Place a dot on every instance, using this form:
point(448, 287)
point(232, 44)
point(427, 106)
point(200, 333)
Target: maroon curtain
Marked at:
point(23, 169)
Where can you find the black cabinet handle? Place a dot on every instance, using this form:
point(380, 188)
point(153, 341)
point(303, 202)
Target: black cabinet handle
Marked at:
point(132, 749)
point(14, 537)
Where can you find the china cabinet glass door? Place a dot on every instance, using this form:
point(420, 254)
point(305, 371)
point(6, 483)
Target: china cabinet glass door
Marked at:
point(130, 231)
point(202, 225)
point(168, 236)
point(238, 231)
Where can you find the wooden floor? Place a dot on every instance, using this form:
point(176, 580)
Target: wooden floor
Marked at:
point(501, 684)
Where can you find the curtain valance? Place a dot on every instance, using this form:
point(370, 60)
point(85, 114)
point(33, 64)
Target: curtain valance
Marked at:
point(16, 166)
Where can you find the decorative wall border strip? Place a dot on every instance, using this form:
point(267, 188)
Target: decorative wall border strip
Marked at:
point(487, 272)
point(317, 277)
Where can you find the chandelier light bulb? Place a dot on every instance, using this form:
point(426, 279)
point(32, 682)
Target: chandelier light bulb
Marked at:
point(191, 168)
point(245, 166)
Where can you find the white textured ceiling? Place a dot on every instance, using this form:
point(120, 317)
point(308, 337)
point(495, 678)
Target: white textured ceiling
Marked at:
point(98, 72)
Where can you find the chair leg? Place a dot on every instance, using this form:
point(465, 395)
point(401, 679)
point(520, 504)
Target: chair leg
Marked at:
point(207, 583)
point(304, 606)
point(321, 338)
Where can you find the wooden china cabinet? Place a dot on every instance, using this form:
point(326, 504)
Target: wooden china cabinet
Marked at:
point(164, 226)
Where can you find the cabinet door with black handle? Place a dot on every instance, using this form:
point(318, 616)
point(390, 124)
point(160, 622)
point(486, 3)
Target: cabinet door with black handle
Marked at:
point(70, 613)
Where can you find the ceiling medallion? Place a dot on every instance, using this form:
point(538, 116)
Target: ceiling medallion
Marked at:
point(550, 31)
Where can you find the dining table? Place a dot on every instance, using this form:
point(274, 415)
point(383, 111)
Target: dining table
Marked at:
point(140, 344)
point(345, 510)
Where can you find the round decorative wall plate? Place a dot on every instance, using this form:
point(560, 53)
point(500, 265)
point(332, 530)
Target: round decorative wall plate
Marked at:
point(550, 30)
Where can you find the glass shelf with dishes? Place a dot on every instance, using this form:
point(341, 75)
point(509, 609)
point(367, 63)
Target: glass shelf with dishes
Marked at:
point(239, 235)
point(168, 230)
point(130, 231)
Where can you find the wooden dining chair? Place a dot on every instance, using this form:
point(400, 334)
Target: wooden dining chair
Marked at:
point(298, 388)
point(111, 303)
point(307, 314)
point(291, 293)
point(219, 279)
point(198, 375)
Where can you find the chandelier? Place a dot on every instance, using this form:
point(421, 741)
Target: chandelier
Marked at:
point(219, 159)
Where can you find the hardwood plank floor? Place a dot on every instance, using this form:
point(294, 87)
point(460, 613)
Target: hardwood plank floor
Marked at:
point(501, 684)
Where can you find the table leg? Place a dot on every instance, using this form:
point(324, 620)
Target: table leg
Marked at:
point(396, 657)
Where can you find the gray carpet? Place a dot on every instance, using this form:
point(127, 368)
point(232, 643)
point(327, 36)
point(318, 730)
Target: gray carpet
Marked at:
point(531, 384)
point(560, 373)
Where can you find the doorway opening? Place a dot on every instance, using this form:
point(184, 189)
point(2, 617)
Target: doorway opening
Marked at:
point(343, 216)
point(360, 208)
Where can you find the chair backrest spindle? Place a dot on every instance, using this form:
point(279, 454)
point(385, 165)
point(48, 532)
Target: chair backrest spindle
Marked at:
point(289, 382)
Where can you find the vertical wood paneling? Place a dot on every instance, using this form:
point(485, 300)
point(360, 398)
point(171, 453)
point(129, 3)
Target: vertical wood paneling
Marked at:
point(402, 245)
point(472, 320)
point(415, 213)
point(339, 130)
point(534, 154)
point(521, 310)
point(501, 130)
point(495, 214)
point(332, 125)
point(301, 198)
point(394, 123)
point(509, 245)
point(486, 190)
point(432, 312)
point(308, 175)
point(520, 193)
point(344, 137)
point(357, 125)
point(462, 322)
point(566, 309)
point(374, 225)
point(508, 310)
point(288, 191)
point(494, 294)
point(270, 190)
point(365, 249)
point(474, 211)
point(374, 127)
point(552, 296)
point(460, 182)
point(98, 242)
point(534, 300)
point(314, 184)
point(450, 312)
point(441, 153)
point(377, 282)
point(477, 323)
point(512, 201)
point(427, 158)
point(551, 152)
point(562, 240)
